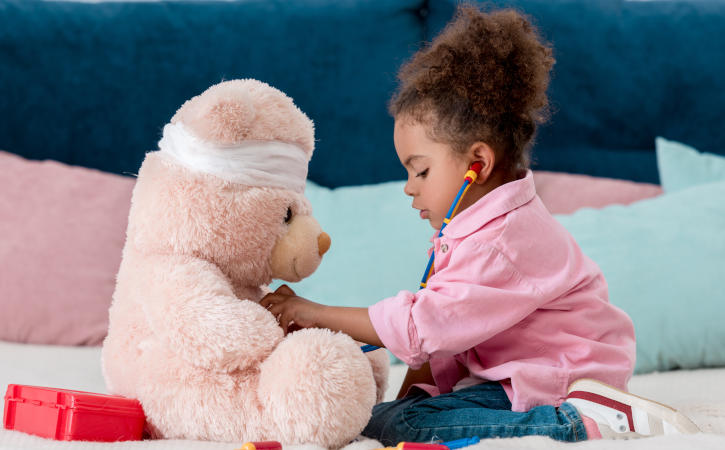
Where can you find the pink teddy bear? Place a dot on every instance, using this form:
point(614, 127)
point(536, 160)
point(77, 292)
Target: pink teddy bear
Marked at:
point(216, 214)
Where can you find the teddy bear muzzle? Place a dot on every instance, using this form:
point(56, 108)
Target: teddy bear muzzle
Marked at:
point(298, 253)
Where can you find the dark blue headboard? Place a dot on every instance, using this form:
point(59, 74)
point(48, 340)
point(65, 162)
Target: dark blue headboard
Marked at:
point(93, 84)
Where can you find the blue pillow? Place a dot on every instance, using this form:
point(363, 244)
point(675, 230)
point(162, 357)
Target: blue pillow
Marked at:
point(681, 166)
point(664, 261)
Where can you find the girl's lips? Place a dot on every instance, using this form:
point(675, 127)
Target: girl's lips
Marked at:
point(424, 214)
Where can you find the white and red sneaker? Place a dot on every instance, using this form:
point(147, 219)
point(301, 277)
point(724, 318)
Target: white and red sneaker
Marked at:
point(619, 415)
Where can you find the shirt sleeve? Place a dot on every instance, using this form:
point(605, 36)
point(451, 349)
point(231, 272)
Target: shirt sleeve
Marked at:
point(478, 295)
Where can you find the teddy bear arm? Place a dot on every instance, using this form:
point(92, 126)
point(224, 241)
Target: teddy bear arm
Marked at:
point(380, 363)
point(193, 311)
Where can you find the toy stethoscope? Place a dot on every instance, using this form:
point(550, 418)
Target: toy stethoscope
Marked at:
point(470, 177)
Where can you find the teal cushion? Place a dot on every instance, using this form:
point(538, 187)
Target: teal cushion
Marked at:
point(379, 245)
point(664, 261)
point(681, 166)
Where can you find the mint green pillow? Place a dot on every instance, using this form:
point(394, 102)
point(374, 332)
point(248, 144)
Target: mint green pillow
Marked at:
point(664, 261)
point(379, 245)
point(681, 166)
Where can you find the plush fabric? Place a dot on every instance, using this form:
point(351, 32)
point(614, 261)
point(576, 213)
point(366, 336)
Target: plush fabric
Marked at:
point(564, 193)
point(664, 261)
point(626, 72)
point(210, 133)
point(61, 234)
point(186, 327)
point(682, 166)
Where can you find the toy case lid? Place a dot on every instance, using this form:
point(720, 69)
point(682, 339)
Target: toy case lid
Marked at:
point(76, 400)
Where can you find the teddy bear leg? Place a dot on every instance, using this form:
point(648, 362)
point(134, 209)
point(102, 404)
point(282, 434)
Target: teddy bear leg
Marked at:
point(317, 387)
point(181, 401)
point(380, 363)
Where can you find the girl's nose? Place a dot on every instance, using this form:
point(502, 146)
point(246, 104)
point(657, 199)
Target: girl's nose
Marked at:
point(408, 189)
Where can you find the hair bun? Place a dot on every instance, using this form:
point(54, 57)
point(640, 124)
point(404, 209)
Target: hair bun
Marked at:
point(493, 60)
point(484, 77)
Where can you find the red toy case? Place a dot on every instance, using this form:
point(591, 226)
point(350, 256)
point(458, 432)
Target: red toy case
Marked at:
point(66, 415)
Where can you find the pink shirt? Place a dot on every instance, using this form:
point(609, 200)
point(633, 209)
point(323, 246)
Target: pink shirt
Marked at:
point(512, 298)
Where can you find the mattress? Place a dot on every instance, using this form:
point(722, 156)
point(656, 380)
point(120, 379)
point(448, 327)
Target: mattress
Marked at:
point(700, 394)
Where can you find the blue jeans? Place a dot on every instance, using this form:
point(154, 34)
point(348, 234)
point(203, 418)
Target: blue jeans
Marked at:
point(483, 410)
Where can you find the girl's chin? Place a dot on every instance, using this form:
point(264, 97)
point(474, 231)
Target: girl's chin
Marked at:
point(425, 215)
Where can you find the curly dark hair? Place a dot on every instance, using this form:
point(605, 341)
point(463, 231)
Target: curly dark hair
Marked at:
point(482, 79)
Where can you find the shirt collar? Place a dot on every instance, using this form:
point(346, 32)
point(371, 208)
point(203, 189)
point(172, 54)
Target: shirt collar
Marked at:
point(498, 202)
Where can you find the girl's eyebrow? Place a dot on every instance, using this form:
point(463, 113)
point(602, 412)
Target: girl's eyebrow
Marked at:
point(412, 158)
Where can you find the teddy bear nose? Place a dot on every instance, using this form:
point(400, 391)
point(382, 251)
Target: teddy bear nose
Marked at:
point(324, 242)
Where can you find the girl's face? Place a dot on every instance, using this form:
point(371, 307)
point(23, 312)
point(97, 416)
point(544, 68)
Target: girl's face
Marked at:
point(435, 175)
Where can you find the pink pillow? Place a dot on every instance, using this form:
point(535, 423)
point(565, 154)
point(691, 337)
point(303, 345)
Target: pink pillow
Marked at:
point(62, 230)
point(564, 193)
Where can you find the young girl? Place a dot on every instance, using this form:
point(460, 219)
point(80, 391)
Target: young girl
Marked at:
point(514, 312)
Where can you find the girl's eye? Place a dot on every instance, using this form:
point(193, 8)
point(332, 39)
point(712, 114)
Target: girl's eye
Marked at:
point(423, 173)
point(288, 217)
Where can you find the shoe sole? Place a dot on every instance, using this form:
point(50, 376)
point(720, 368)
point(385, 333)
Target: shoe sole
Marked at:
point(664, 412)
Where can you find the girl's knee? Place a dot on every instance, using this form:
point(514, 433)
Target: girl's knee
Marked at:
point(403, 426)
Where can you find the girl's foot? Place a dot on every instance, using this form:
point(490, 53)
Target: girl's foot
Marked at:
point(619, 415)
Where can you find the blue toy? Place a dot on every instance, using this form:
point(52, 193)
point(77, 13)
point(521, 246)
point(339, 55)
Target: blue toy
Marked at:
point(460, 443)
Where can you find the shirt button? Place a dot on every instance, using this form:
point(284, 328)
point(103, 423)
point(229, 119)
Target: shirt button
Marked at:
point(444, 248)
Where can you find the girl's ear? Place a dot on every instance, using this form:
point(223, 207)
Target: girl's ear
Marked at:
point(484, 154)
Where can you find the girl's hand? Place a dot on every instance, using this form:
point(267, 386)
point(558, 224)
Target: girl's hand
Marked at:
point(287, 307)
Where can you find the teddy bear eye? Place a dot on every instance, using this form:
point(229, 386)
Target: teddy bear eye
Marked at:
point(288, 218)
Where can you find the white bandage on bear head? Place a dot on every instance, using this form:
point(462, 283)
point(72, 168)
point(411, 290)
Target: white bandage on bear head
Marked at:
point(281, 164)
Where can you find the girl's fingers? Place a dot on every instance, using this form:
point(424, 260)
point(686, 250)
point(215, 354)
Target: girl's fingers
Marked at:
point(284, 289)
point(276, 309)
point(284, 321)
point(271, 299)
point(285, 312)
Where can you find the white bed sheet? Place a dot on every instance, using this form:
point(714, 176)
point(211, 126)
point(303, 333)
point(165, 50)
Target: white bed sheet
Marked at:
point(699, 393)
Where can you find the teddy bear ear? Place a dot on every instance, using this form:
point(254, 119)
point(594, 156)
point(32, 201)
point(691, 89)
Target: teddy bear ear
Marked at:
point(224, 114)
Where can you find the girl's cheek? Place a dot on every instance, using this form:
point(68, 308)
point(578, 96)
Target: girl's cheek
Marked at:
point(441, 204)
